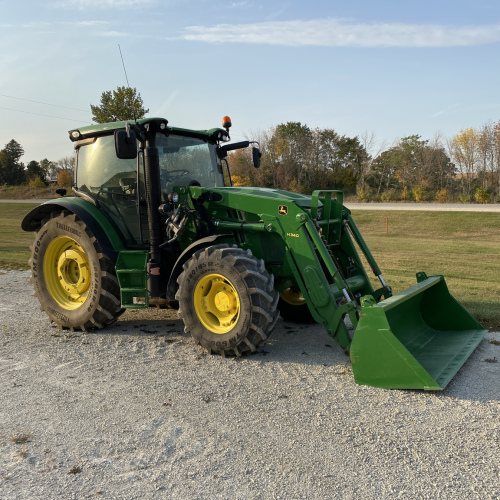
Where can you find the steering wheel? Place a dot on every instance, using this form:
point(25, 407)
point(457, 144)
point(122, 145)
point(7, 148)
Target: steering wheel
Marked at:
point(172, 175)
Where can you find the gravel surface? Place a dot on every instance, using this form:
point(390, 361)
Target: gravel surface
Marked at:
point(137, 411)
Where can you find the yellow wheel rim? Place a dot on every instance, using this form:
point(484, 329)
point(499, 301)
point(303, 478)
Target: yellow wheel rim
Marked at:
point(292, 298)
point(216, 303)
point(67, 272)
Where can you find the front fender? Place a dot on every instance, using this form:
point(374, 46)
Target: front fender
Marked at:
point(101, 227)
point(187, 254)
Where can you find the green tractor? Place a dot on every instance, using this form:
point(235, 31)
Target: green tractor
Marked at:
point(152, 222)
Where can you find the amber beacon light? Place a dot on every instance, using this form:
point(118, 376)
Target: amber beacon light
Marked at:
point(226, 123)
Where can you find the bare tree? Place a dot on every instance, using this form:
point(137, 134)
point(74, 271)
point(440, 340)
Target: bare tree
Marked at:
point(373, 148)
point(67, 163)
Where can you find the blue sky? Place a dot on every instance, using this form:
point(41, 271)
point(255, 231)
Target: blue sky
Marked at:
point(392, 68)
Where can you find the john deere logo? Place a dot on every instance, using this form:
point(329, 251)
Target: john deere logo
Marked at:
point(283, 210)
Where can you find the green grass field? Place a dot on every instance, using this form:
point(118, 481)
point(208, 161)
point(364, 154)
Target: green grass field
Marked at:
point(463, 246)
point(14, 242)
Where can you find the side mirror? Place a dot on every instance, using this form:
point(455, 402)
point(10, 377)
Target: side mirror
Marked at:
point(125, 144)
point(231, 147)
point(256, 154)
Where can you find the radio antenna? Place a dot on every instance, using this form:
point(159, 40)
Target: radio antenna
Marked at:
point(126, 78)
point(125, 71)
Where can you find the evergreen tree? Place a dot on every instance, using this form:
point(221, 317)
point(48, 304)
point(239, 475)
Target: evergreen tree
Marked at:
point(11, 169)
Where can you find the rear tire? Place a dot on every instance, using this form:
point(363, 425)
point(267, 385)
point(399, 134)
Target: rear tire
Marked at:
point(293, 307)
point(74, 280)
point(227, 300)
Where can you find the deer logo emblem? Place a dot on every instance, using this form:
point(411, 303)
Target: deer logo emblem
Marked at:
point(282, 209)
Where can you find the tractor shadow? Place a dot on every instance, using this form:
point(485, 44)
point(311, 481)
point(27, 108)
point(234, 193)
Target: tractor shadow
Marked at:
point(145, 322)
point(309, 345)
point(477, 380)
point(305, 344)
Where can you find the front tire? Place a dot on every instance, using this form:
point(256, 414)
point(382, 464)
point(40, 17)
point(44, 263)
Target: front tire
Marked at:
point(227, 300)
point(74, 280)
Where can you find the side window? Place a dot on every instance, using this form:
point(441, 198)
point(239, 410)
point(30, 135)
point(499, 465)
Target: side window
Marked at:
point(100, 171)
point(113, 183)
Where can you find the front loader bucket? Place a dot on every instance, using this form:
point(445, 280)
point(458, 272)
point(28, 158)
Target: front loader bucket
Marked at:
point(416, 339)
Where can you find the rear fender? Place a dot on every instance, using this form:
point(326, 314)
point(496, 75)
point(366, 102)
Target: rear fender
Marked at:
point(107, 235)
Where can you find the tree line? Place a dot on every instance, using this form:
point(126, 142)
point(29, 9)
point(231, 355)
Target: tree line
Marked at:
point(297, 158)
point(124, 103)
point(13, 172)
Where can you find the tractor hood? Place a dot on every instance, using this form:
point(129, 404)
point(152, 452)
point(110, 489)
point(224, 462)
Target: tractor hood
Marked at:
point(263, 195)
point(273, 203)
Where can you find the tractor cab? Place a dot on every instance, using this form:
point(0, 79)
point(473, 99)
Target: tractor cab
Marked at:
point(116, 183)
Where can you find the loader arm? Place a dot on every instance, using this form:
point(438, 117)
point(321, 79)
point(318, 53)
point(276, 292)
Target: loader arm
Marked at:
point(318, 247)
point(328, 266)
point(417, 339)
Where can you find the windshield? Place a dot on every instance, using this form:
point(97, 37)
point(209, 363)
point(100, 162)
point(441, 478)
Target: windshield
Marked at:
point(113, 182)
point(186, 161)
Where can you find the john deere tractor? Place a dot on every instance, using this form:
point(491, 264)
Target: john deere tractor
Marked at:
point(153, 222)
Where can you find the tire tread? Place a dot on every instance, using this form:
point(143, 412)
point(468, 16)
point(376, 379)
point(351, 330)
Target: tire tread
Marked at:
point(259, 285)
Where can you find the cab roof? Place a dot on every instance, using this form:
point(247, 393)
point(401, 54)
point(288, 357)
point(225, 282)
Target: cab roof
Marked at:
point(100, 129)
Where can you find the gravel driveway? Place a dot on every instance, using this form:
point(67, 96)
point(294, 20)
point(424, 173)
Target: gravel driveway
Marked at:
point(428, 207)
point(137, 411)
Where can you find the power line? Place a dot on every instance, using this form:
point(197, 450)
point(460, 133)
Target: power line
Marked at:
point(39, 114)
point(45, 103)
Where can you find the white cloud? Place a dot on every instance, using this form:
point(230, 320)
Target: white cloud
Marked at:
point(42, 24)
point(113, 33)
point(87, 23)
point(343, 33)
point(101, 4)
point(36, 24)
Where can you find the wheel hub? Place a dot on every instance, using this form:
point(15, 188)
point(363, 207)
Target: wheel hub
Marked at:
point(224, 301)
point(67, 272)
point(216, 303)
point(73, 271)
